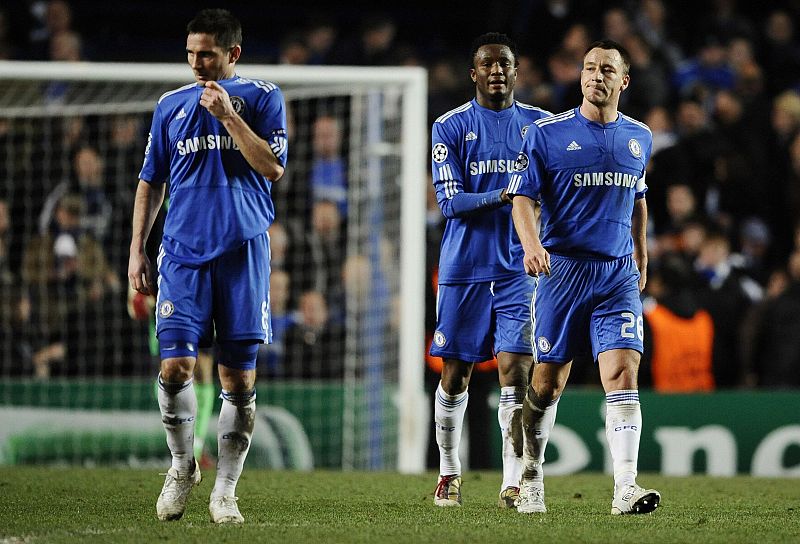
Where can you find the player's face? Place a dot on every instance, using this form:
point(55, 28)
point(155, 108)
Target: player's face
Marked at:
point(209, 61)
point(603, 77)
point(494, 73)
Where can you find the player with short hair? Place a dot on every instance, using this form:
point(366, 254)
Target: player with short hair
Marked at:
point(220, 142)
point(484, 294)
point(586, 167)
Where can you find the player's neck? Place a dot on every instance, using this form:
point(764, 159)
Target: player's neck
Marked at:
point(599, 114)
point(507, 102)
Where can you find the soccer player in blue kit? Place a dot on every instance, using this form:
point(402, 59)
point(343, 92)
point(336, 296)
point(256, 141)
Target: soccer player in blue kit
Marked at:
point(586, 167)
point(220, 142)
point(483, 302)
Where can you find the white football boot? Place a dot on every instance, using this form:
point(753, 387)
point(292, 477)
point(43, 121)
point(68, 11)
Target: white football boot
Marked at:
point(225, 510)
point(633, 499)
point(172, 501)
point(531, 498)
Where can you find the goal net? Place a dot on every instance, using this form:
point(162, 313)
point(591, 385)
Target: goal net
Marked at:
point(341, 386)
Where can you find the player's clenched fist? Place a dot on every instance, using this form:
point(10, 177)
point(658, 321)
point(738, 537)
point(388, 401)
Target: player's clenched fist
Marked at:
point(536, 260)
point(216, 100)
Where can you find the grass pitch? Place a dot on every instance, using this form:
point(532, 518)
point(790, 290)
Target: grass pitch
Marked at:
point(106, 505)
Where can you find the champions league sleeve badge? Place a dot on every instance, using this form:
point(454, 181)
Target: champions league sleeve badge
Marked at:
point(439, 153)
point(522, 162)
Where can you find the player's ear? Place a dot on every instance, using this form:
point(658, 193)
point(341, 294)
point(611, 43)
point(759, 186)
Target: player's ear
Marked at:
point(626, 80)
point(234, 53)
point(472, 75)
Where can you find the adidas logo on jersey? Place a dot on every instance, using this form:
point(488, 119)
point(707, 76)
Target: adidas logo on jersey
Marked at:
point(181, 114)
point(573, 146)
point(471, 136)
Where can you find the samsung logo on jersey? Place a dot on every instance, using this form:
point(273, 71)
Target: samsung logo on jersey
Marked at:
point(594, 179)
point(210, 141)
point(491, 167)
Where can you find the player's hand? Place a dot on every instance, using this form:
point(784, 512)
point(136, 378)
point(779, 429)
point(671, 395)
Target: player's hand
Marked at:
point(640, 258)
point(642, 278)
point(217, 101)
point(536, 261)
point(140, 276)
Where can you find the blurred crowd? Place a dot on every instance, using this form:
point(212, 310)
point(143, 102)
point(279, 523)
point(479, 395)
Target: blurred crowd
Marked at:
point(717, 81)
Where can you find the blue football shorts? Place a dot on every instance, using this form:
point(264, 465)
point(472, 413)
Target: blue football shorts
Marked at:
point(586, 306)
point(475, 321)
point(227, 297)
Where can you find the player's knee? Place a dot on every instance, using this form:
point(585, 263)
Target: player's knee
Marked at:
point(455, 376)
point(514, 369)
point(177, 370)
point(238, 354)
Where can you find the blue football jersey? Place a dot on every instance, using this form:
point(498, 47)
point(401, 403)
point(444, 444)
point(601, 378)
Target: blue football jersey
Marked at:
point(474, 150)
point(217, 200)
point(586, 176)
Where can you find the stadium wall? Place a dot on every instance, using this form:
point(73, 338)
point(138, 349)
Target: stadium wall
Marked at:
point(718, 434)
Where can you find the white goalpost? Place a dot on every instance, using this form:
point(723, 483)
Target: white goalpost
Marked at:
point(353, 385)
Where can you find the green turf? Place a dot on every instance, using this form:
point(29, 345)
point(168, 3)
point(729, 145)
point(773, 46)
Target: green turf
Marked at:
point(105, 505)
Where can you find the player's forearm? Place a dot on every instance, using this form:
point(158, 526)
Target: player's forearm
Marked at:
point(145, 209)
point(639, 231)
point(465, 204)
point(525, 216)
point(255, 149)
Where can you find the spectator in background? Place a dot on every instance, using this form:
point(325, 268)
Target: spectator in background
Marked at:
point(653, 23)
point(315, 256)
point(65, 45)
point(616, 25)
point(792, 182)
point(650, 90)
point(725, 21)
point(278, 246)
point(321, 41)
point(294, 50)
point(708, 71)
point(785, 125)
point(731, 195)
point(531, 87)
point(374, 46)
point(88, 182)
point(678, 334)
point(776, 347)
point(56, 18)
point(741, 53)
point(755, 243)
point(273, 355)
point(314, 345)
point(71, 284)
point(661, 125)
point(576, 39)
point(699, 146)
point(564, 76)
point(727, 293)
point(444, 87)
point(328, 176)
point(780, 53)
point(681, 208)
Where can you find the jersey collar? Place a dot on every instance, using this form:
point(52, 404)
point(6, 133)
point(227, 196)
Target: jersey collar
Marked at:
point(595, 124)
point(502, 114)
